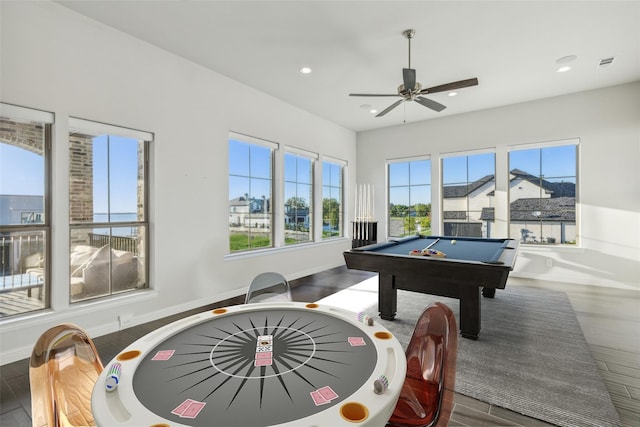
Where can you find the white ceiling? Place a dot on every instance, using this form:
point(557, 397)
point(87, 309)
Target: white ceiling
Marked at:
point(358, 46)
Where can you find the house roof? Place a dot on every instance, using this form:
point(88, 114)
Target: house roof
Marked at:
point(455, 191)
point(548, 209)
point(555, 189)
point(238, 201)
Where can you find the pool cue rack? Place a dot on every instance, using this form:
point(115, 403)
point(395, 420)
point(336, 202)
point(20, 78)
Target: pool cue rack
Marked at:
point(364, 233)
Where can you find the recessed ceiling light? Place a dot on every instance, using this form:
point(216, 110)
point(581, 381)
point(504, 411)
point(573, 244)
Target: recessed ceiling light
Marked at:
point(566, 59)
point(453, 93)
point(563, 69)
point(305, 70)
point(373, 111)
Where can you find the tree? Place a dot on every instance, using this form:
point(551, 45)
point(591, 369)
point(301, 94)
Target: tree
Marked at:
point(422, 209)
point(331, 211)
point(297, 202)
point(398, 210)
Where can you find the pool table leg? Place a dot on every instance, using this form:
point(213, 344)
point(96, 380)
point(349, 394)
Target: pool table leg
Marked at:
point(488, 292)
point(387, 297)
point(470, 312)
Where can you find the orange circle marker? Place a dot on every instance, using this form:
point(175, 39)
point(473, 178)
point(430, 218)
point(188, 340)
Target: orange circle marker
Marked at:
point(128, 355)
point(383, 335)
point(354, 412)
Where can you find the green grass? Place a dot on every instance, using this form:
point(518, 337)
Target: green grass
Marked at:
point(241, 242)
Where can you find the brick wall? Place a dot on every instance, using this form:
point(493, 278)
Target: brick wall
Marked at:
point(80, 178)
point(28, 136)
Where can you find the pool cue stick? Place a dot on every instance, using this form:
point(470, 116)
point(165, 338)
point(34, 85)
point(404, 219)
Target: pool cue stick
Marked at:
point(432, 243)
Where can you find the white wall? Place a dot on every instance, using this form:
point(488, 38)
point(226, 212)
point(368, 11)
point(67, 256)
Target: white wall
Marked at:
point(607, 121)
point(58, 61)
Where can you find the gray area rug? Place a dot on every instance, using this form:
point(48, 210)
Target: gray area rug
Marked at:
point(531, 357)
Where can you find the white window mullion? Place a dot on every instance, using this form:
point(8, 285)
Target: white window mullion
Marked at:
point(278, 199)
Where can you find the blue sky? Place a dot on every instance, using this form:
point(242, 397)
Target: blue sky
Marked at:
point(22, 173)
point(245, 158)
point(117, 177)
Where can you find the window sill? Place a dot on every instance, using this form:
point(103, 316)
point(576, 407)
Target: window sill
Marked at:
point(270, 251)
point(551, 248)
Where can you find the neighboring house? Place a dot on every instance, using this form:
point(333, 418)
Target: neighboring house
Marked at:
point(462, 206)
point(21, 209)
point(544, 206)
point(249, 212)
point(246, 212)
point(296, 216)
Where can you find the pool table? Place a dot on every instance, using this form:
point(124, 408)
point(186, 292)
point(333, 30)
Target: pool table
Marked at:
point(470, 266)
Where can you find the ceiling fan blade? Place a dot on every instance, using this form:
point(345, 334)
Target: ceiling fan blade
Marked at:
point(451, 86)
point(435, 106)
point(409, 78)
point(389, 108)
point(374, 94)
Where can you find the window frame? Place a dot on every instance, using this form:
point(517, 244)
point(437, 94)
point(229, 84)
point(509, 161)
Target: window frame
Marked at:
point(96, 129)
point(21, 114)
point(342, 164)
point(468, 153)
point(541, 146)
point(274, 148)
point(313, 159)
point(408, 160)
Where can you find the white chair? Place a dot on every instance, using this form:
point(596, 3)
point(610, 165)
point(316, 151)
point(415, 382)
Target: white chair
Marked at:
point(268, 287)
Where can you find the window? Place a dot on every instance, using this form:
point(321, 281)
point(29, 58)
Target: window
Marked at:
point(107, 209)
point(542, 193)
point(468, 187)
point(250, 194)
point(409, 198)
point(298, 198)
point(25, 230)
point(332, 199)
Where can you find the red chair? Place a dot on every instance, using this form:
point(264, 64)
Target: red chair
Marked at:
point(426, 398)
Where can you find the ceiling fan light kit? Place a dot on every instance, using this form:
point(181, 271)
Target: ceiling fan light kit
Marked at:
point(411, 90)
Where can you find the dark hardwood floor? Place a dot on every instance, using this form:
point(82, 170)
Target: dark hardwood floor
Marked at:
point(15, 401)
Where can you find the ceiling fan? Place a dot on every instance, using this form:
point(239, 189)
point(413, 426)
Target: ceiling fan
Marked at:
point(410, 90)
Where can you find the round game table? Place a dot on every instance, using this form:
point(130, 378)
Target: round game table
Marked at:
point(267, 364)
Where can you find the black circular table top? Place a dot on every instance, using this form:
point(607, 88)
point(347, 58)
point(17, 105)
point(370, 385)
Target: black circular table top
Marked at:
point(254, 368)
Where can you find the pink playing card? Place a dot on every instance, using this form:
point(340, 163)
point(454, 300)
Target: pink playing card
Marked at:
point(179, 410)
point(328, 393)
point(318, 399)
point(193, 410)
point(263, 362)
point(267, 355)
point(356, 341)
point(163, 355)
